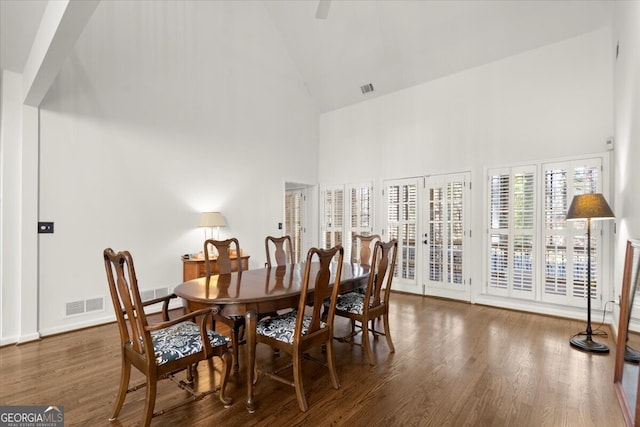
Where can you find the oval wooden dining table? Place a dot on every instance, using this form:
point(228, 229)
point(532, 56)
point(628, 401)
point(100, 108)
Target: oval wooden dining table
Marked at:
point(253, 293)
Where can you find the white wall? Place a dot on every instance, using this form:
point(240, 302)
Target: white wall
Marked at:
point(164, 110)
point(547, 103)
point(10, 137)
point(627, 130)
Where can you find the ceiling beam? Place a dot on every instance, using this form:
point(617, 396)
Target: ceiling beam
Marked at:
point(62, 24)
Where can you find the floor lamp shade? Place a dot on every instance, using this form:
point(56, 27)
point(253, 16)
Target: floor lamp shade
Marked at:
point(589, 207)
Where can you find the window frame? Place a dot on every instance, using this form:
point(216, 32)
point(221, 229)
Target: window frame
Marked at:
point(601, 234)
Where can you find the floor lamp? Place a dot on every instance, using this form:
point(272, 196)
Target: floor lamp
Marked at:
point(591, 206)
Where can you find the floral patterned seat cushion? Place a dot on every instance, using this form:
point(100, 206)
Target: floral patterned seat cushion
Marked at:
point(352, 302)
point(181, 340)
point(282, 327)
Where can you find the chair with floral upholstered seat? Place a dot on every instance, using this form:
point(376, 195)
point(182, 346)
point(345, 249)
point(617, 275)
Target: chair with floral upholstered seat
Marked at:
point(353, 306)
point(298, 331)
point(361, 253)
point(160, 350)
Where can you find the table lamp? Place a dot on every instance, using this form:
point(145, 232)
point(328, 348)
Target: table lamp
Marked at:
point(591, 206)
point(212, 220)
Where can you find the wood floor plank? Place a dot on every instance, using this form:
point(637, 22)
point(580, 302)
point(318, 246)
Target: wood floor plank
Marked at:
point(456, 364)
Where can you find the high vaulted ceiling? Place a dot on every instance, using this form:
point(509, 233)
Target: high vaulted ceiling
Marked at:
point(392, 44)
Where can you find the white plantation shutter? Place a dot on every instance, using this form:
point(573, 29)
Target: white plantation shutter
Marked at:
point(455, 231)
point(293, 225)
point(499, 186)
point(511, 232)
point(437, 233)
point(360, 212)
point(555, 239)
point(445, 230)
point(523, 230)
point(444, 265)
point(535, 253)
point(332, 226)
point(565, 250)
point(402, 224)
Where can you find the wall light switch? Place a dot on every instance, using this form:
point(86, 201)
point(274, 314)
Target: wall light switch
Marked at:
point(45, 227)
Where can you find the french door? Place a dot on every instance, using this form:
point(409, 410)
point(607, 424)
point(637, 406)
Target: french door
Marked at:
point(446, 236)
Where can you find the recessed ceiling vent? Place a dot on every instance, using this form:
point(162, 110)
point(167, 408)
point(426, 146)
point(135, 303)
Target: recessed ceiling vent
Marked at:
point(366, 88)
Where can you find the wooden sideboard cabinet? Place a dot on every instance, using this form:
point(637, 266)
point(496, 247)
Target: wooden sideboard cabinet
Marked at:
point(194, 268)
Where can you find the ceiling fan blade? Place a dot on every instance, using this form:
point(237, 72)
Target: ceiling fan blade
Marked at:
point(323, 9)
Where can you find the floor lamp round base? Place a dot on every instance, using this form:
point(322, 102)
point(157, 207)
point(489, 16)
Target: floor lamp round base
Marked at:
point(589, 345)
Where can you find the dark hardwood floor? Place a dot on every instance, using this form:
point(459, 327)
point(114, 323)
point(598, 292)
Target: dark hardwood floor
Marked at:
point(456, 364)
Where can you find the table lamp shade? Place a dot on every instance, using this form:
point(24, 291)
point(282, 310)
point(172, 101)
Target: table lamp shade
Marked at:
point(589, 206)
point(211, 219)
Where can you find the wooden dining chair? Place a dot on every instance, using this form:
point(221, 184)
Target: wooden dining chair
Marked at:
point(163, 349)
point(361, 253)
point(302, 329)
point(374, 303)
point(282, 250)
point(225, 266)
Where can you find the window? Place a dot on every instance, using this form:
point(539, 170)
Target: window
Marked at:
point(511, 231)
point(357, 208)
point(520, 234)
point(565, 243)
